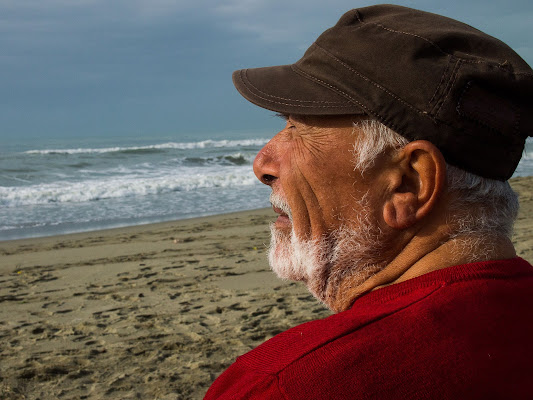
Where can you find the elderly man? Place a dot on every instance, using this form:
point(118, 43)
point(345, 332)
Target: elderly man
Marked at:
point(389, 178)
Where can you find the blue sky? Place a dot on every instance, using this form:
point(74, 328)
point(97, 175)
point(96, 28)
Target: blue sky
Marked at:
point(78, 68)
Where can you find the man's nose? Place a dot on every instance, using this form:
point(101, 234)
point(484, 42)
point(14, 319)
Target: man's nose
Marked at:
point(266, 163)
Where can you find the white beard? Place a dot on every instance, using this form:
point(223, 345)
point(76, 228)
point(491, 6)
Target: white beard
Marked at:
point(355, 252)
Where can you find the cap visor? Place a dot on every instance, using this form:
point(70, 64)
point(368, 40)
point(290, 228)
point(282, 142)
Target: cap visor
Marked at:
point(284, 90)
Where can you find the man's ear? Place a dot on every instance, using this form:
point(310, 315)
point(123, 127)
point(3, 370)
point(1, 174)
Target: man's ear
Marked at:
point(415, 182)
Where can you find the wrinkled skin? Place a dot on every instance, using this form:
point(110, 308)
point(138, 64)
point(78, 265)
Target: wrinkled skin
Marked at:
point(309, 164)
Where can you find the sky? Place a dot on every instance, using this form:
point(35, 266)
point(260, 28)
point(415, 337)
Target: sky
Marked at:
point(82, 68)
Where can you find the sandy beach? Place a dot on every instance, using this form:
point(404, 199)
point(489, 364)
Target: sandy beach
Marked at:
point(150, 312)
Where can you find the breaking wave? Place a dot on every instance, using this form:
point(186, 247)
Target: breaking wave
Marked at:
point(206, 144)
point(125, 186)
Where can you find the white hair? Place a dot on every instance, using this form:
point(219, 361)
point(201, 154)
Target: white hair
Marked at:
point(355, 252)
point(479, 206)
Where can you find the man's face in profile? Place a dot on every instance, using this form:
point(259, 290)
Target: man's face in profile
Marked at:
point(325, 214)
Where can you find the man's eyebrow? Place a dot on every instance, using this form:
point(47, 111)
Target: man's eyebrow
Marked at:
point(282, 116)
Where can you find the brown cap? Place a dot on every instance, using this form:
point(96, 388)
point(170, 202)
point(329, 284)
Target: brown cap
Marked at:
point(423, 75)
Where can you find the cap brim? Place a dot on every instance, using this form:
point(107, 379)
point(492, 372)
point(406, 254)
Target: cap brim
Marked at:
point(284, 90)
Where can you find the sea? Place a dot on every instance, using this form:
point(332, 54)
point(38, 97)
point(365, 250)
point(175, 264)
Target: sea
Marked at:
point(50, 187)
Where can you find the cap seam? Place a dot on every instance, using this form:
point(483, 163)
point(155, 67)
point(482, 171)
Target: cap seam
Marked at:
point(358, 16)
point(409, 34)
point(383, 89)
point(285, 104)
point(499, 66)
point(248, 84)
point(365, 108)
point(447, 89)
point(442, 79)
point(445, 52)
point(321, 82)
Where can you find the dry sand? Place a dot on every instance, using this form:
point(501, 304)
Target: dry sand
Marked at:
point(150, 312)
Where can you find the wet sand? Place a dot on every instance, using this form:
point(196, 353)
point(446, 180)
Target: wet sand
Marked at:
point(150, 312)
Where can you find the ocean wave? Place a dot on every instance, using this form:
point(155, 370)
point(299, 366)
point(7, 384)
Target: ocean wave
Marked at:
point(205, 144)
point(223, 160)
point(528, 154)
point(117, 187)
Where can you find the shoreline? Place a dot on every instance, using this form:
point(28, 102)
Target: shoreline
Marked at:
point(151, 311)
point(133, 228)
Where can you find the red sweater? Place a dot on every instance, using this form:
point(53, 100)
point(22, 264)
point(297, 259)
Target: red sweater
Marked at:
point(464, 332)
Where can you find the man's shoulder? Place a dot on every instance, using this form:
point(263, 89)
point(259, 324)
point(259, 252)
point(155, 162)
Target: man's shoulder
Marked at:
point(463, 332)
point(302, 341)
point(441, 298)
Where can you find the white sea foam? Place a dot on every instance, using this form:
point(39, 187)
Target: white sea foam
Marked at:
point(125, 186)
point(528, 152)
point(179, 146)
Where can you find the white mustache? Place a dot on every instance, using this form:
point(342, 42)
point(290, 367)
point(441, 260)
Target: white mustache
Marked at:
point(279, 202)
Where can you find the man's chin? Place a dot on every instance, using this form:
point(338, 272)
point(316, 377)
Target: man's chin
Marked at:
point(283, 255)
point(284, 267)
point(348, 253)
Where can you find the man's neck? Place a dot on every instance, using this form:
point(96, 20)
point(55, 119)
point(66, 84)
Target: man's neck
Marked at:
point(421, 255)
